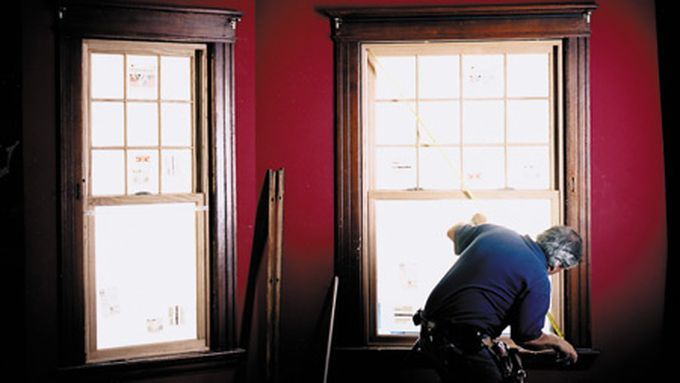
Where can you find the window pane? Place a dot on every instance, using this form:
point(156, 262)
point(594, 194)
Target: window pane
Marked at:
point(483, 76)
point(175, 124)
point(483, 122)
point(395, 168)
point(142, 171)
point(528, 75)
point(395, 77)
point(438, 76)
point(529, 168)
point(439, 122)
point(176, 78)
point(145, 261)
point(413, 252)
point(528, 121)
point(395, 123)
point(108, 172)
point(107, 75)
point(177, 167)
point(142, 77)
point(107, 124)
point(483, 168)
point(142, 119)
point(439, 168)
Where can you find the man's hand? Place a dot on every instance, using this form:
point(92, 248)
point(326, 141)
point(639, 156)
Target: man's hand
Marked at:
point(546, 341)
point(567, 349)
point(478, 219)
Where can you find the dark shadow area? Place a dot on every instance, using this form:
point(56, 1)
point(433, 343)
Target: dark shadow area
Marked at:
point(11, 193)
point(259, 243)
point(381, 365)
point(316, 349)
point(665, 18)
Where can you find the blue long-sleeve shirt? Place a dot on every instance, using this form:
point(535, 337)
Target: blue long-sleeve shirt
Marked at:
point(500, 279)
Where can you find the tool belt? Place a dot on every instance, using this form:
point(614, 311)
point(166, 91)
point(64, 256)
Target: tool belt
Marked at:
point(465, 339)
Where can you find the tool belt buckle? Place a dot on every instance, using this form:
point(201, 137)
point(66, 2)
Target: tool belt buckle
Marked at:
point(507, 359)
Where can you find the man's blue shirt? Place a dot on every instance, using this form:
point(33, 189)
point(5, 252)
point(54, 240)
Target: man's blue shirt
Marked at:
point(500, 279)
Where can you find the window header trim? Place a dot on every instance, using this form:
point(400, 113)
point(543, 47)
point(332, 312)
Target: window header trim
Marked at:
point(462, 21)
point(167, 23)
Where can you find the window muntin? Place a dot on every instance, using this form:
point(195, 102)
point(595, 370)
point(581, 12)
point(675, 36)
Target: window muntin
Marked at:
point(145, 199)
point(483, 138)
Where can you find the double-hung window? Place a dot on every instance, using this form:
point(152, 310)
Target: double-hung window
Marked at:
point(453, 129)
point(443, 112)
point(147, 187)
point(145, 198)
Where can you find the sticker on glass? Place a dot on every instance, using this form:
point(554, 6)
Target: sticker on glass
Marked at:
point(142, 172)
point(154, 325)
point(142, 77)
point(109, 304)
point(175, 315)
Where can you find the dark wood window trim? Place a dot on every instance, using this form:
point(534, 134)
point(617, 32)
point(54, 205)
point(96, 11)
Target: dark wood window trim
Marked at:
point(217, 29)
point(352, 27)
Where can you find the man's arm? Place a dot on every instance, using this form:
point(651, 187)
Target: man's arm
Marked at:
point(547, 341)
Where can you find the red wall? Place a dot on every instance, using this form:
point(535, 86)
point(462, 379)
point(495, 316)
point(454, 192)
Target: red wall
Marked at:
point(628, 199)
point(294, 93)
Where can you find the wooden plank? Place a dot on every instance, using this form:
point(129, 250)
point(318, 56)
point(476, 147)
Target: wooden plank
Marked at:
point(329, 341)
point(278, 257)
point(274, 252)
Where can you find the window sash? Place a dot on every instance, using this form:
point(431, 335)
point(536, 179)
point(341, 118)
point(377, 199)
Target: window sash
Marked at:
point(553, 48)
point(197, 195)
point(198, 118)
point(95, 354)
point(371, 254)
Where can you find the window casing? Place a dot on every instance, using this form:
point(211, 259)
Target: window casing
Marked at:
point(169, 166)
point(353, 30)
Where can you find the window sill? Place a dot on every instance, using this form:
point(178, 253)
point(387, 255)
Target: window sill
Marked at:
point(153, 366)
point(399, 356)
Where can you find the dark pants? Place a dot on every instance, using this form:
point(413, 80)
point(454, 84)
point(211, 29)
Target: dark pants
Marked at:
point(455, 364)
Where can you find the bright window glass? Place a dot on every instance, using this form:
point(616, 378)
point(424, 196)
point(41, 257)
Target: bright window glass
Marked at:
point(176, 78)
point(438, 76)
point(107, 75)
point(108, 172)
point(395, 77)
point(142, 124)
point(176, 124)
point(108, 124)
point(145, 274)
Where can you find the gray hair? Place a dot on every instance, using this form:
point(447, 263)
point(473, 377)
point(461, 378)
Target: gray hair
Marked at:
point(561, 245)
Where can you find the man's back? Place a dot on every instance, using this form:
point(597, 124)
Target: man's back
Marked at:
point(499, 279)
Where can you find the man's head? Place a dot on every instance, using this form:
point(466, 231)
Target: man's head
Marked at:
point(562, 247)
